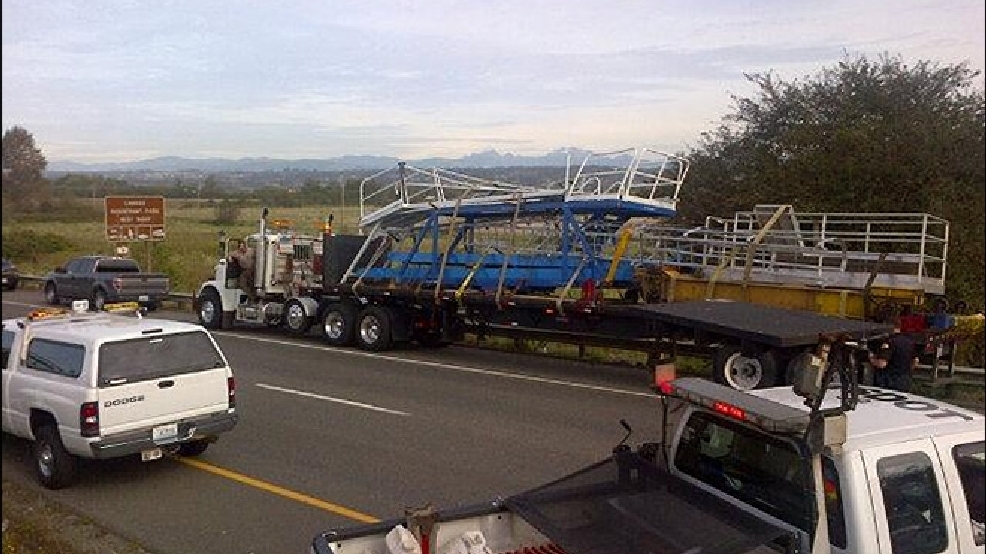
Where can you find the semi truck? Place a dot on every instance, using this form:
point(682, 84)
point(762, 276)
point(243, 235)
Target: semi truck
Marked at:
point(823, 466)
point(442, 253)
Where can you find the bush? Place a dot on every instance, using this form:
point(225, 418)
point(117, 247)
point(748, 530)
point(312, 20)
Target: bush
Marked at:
point(29, 245)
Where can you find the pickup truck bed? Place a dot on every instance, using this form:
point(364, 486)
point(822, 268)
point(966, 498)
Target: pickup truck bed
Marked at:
point(623, 504)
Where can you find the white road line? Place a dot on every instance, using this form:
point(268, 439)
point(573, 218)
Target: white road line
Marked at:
point(440, 365)
point(331, 399)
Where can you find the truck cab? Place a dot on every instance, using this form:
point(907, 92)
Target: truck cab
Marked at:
point(286, 280)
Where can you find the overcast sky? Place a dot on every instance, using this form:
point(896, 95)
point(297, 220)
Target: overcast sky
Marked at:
point(128, 80)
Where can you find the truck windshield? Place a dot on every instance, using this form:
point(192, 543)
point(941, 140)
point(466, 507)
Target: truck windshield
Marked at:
point(756, 468)
point(157, 356)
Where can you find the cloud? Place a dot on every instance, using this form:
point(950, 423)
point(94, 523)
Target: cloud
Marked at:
point(321, 78)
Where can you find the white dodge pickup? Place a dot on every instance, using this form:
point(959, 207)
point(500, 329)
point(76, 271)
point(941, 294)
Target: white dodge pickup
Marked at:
point(860, 470)
point(103, 385)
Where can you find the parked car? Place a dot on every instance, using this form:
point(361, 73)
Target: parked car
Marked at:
point(10, 275)
point(105, 279)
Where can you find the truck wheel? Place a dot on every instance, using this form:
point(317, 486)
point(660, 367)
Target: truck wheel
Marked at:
point(210, 309)
point(373, 329)
point(51, 295)
point(193, 448)
point(730, 366)
point(98, 301)
point(338, 324)
point(55, 466)
point(296, 321)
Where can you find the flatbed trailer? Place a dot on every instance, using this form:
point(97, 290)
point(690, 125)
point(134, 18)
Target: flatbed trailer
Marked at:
point(751, 345)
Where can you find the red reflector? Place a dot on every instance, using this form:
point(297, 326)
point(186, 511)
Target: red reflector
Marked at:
point(89, 419)
point(231, 391)
point(729, 410)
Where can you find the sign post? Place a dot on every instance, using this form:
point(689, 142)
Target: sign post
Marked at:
point(135, 219)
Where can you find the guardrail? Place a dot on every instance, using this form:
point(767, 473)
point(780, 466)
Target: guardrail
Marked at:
point(962, 374)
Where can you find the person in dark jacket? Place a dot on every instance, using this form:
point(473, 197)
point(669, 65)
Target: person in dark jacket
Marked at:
point(893, 361)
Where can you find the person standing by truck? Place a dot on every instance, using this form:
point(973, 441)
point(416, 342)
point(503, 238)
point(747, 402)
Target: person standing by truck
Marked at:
point(894, 360)
point(244, 260)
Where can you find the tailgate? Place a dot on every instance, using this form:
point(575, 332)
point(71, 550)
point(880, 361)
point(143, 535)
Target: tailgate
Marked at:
point(159, 379)
point(144, 283)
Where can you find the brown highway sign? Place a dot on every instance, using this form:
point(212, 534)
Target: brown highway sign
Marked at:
point(134, 218)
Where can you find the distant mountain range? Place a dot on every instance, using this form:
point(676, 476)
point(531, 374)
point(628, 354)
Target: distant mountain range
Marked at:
point(489, 158)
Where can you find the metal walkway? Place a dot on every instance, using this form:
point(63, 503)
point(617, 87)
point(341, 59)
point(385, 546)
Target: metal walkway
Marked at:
point(635, 182)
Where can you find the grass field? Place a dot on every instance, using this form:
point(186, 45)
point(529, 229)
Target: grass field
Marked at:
point(190, 249)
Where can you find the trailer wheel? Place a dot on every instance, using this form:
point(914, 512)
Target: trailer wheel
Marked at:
point(210, 309)
point(373, 329)
point(296, 321)
point(338, 324)
point(56, 467)
point(744, 372)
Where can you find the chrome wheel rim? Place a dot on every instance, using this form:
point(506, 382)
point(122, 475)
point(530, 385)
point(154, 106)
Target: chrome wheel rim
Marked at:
point(207, 311)
point(334, 324)
point(743, 372)
point(369, 330)
point(295, 316)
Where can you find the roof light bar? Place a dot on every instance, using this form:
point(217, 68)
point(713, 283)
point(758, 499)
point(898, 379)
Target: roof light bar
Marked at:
point(770, 416)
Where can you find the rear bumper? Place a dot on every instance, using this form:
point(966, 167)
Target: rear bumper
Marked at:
point(207, 427)
point(141, 297)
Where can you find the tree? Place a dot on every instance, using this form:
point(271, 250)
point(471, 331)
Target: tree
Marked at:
point(23, 170)
point(866, 135)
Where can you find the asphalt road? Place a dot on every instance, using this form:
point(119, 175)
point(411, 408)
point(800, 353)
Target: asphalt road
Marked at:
point(331, 437)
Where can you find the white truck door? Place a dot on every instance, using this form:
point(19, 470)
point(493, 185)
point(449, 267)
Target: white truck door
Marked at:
point(909, 499)
point(964, 464)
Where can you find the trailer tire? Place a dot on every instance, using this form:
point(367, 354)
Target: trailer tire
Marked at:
point(373, 329)
point(210, 309)
point(56, 467)
point(338, 324)
point(296, 320)
point(732, 367)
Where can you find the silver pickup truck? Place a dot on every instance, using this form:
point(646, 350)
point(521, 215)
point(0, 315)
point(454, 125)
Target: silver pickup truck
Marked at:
point(105, 279)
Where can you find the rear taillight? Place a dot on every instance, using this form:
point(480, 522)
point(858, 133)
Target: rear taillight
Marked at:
point(231, 392)
point(118, 284)
point(89, 419)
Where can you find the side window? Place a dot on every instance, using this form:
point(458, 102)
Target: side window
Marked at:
point(915, 513)
point(8, 344)
point(748, 465)
point(56, 357)
point(970, 460)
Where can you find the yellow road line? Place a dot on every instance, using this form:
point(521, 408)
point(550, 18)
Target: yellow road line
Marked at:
point(280, 491)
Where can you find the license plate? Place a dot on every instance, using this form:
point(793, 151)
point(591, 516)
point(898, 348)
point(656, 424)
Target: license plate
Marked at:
point(5, 280)
point(143, 298)
point(165, 433)
point(150, 455)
